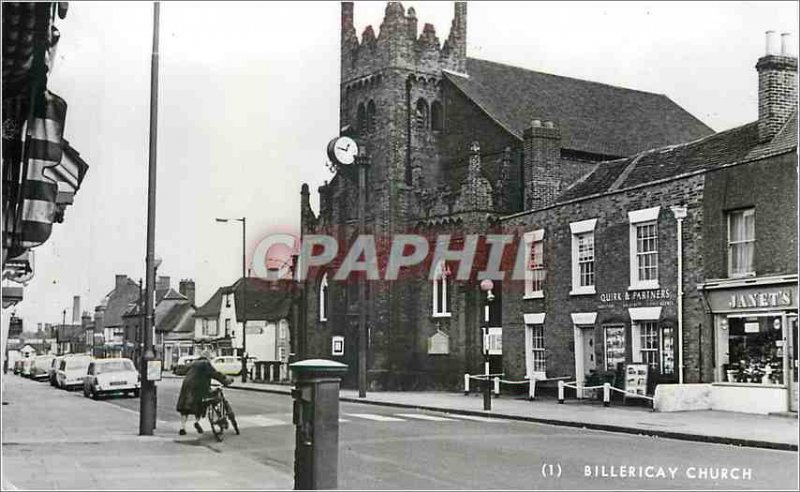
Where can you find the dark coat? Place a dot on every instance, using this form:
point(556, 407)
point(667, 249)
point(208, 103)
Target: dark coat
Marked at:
point(196, 386)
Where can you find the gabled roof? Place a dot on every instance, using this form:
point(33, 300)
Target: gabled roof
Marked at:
point(728, 147)
point(117, 302)
point(265, 300)
point(593, 117)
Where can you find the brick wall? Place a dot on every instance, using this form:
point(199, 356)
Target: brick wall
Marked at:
point(612, 276)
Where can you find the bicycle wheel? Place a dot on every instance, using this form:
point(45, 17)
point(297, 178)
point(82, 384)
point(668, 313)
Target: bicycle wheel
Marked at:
point(231, 416)
point(214, 415)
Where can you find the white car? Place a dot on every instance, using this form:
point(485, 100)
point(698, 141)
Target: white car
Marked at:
point(228, 364)
point(105, 376)
point(40, 366)
point(72, 370)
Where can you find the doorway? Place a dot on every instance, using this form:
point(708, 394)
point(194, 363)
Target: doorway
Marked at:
point(585, 359)
point(793, 369)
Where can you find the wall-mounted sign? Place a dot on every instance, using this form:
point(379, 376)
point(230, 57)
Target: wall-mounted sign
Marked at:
point(439, 344)
point(337, 345)
point(154, 370)
point(633, 298)
point(761, 299)
point(756, 298)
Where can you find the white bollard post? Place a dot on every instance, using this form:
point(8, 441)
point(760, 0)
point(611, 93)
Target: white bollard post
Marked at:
point(271, 373)
point(532, 389)
point(496, 386)
point(466, 384)
point(561, 391)
point(606, 394)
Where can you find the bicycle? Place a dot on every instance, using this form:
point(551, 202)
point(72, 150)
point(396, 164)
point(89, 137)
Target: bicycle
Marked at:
point(219, 412)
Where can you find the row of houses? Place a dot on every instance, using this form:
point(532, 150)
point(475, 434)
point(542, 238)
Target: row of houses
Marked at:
point(183, 328)
point(653, 243)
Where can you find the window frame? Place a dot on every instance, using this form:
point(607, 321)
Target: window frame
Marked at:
point(324, 298)
point(440, 280)
point(636, 219)
point(581, 229)
point(730, 244)
point(531, 239)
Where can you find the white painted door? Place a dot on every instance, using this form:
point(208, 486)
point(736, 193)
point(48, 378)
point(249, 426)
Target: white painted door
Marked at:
point(584, 355)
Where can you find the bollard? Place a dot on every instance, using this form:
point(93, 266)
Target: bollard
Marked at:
point(271, 373)
point(466, 384)
point(496, 386)
point(606, 394)
point(561, 391)
point(316, 417)
point(532, 389)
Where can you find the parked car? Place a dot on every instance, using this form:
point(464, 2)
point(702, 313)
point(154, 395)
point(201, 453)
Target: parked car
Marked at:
point(25, 369)
point(72, 371)
point(18, 366)
point(183, 364)
point(231, 365)
point(40, 366)
point(51, 372)
point(105, 376)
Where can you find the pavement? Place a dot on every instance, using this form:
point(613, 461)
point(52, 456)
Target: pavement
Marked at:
point(45, 447)
point(740, 429)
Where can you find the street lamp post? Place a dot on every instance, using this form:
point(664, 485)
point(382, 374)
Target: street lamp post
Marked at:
point(343, 152)
point(147, 400)
point(486, 286)
point(243, 220)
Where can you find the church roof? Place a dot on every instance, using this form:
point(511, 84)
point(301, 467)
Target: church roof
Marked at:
point(593, 117)
point(738, 144)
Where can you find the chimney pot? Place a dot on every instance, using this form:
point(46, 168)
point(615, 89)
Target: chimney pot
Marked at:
point(770, 48)
point(536, 123)
point(785, 40)
point(548, 124)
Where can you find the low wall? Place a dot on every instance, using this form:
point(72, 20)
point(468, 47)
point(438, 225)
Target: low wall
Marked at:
point(748, 398)
point(682, 397)
point(729, 397)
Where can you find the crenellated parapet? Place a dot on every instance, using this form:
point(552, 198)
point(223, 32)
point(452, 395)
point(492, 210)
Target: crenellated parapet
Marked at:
point(398, 46)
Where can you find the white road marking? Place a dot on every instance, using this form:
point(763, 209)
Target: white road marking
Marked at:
point(377, 418)
point(246, 421)
point(343, 420)
point(476, 418)
point(423, 416)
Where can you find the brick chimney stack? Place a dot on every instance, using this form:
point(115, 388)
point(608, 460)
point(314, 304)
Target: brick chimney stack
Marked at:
point(187, 289)
point(542, 147)
point(777, 87)
point(76, 310)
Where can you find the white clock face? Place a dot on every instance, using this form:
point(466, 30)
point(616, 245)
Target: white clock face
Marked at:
point(345, 150)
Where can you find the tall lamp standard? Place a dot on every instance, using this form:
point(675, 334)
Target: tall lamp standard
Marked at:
point(243, 220)
point(343, 152)
point(486, 286)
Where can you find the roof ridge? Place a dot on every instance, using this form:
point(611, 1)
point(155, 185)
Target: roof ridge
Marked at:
point(618, 87)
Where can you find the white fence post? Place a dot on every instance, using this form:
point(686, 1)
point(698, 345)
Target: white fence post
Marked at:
point(606, 394)
point(532, 388)
point(561, 391)
point(496, 386)
point(466, 384)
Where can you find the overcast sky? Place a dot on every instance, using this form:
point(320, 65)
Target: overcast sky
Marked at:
point(249, 99)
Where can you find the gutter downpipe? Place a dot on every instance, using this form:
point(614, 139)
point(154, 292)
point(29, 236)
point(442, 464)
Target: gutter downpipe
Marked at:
point(680, 213)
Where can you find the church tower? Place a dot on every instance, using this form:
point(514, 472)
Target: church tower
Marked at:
point(391, 103)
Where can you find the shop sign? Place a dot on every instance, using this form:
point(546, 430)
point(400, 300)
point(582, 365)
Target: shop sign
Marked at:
point(632, 298)
point(761, 299)
point(752, 298)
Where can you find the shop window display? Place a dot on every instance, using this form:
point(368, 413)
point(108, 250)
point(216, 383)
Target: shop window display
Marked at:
point(753, 354)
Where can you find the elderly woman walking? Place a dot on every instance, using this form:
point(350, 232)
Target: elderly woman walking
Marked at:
point(195, 388)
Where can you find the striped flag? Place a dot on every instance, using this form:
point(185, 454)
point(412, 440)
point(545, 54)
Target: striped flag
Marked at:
point(44, 149)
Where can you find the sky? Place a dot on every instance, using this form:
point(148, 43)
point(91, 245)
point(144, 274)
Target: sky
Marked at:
point(248, 99)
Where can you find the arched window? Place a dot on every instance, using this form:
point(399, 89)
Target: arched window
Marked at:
point(437, 118)
point(323, 298)
point(362, 118)
point(441, 305)
point(371, 115)
point(422, 114)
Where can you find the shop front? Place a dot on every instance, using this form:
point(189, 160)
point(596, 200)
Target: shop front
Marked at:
point(755, 334)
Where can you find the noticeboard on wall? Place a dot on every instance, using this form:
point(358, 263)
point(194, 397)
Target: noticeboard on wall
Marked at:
point(337, 346)
point(636, 380)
